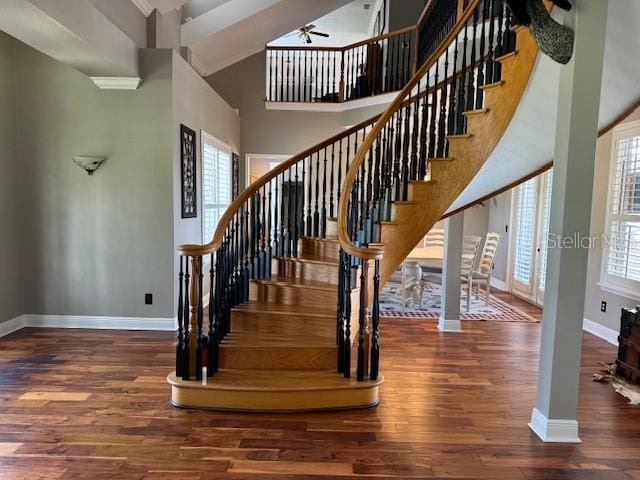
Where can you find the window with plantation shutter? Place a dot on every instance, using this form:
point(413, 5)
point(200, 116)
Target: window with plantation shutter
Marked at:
point(621, 262)
point(216, 184)
point(546, 220)
point(525, 234)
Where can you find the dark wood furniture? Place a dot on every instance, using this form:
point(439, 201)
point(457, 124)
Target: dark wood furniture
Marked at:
point(628, 362)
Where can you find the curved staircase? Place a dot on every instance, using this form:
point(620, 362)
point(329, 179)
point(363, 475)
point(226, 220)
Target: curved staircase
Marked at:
point(292, 312)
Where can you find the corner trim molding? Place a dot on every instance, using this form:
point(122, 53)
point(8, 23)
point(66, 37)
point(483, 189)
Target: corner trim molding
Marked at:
point(88, 322)
point(117, 83)
point(600, 331)
point(144, 6)
point(197, 65)
point(450, 326)
point(554, 431)
point(10, 326)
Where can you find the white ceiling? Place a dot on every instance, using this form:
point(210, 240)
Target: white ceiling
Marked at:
point(348, 24)
point(239, 28)
point(163, 6)
point(528, 143)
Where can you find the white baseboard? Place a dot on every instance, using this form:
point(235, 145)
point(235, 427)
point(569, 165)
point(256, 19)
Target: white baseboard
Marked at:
point(451, 326)
point(88, 322)
point(554, 431)
point(600, 331)
point(11, 326)
point(499, 284)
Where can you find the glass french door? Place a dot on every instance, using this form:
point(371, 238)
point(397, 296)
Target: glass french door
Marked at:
point(532, 207)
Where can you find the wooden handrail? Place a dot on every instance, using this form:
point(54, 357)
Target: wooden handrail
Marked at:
point(218, 237)
point(374, 252)
point(400, 31)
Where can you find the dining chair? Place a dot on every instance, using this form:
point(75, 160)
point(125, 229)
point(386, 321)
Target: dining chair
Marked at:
point(482, 274)
point(470, 247)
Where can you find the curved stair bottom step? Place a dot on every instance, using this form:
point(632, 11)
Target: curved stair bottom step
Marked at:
point(275, 392)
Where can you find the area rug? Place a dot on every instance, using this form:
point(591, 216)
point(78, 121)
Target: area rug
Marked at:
point(628, 390)
point(497, 310)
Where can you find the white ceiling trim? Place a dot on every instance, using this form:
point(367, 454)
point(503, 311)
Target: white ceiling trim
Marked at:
point(144, 6)
point(197, 65)
point(117, 83)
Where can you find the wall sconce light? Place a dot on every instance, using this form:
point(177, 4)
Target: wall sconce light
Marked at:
point(87, 163)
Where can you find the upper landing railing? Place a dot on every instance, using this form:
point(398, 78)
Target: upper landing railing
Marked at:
point(375, 66)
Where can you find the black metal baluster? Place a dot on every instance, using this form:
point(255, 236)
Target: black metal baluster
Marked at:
point(422, 167)
point(317, 79)
point(199, 348)
point(332, 180)
point(375, 323)
point(490, 53)
point(186, 358)
point(433, 137)
point(316, 213)
point(362, 320)
point(310, 198)
point(499, 50)
point(397, 168)
point(415, 136)
point(480, 76)
point(281, 253)
point(288, 93)
point(290, 216)
point(442, 123)
point(212, 361)
point(461, 126)
point(346, 365)
point(471, 79)
point(296, 220)
point(340, 318)
point(323, 211)
point(263, 234)
point(180, 344)
point(451, 109)
point(339, 186)
point(404, 174)
point(269, 227)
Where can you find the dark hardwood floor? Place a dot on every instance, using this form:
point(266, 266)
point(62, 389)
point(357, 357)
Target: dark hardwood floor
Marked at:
point(94, 405)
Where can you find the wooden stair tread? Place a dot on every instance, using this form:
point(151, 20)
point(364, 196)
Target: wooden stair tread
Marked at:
point(328, 239)
point(296, 282)
point(489, 86)
point(277, 380)
point(251, 340)
point(285, 309)
point(315, 259)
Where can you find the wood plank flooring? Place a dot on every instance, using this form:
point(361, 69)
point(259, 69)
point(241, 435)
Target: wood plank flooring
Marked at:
point(95, 405)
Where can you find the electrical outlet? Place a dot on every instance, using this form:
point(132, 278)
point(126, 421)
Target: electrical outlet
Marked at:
point(603, 306)
point(148, 299)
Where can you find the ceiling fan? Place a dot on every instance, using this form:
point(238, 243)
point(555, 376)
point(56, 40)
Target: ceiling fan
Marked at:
point(304, 33)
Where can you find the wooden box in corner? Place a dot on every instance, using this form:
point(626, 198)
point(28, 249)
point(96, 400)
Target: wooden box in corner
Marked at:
point(628, 362)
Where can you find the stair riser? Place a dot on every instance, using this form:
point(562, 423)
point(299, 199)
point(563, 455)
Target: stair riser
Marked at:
point(262, 322)
point(311, 248)
point(277, 358)
point(308, 271)
point(293, 295)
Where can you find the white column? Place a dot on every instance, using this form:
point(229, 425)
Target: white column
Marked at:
point(554, 418)
point(450, 310)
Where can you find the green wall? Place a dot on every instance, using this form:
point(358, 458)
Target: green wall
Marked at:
point(94, 245)
point(10, 268)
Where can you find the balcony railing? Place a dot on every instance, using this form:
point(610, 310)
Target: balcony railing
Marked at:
point(375, 66)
